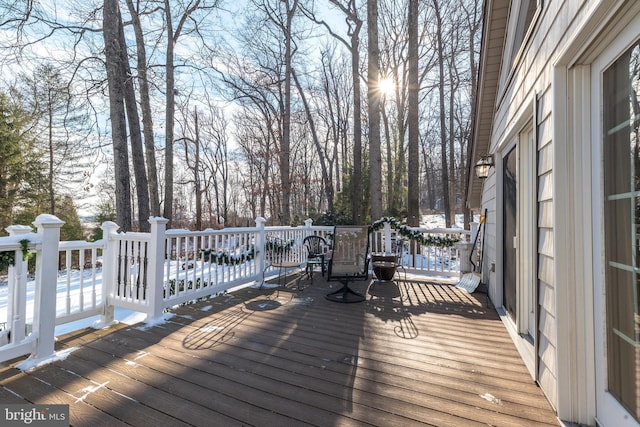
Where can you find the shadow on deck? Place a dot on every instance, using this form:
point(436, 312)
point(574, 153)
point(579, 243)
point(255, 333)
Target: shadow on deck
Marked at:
point(415, 353)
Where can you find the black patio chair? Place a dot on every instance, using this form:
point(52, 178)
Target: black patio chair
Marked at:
point(277, 256)
point(316, 247)
point(349, 261)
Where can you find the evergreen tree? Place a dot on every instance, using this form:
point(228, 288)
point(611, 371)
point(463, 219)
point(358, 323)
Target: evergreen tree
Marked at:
point(106, 212)
point(18, 166)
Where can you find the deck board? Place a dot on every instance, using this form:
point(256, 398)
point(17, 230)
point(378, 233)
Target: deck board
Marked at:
point(436, 355)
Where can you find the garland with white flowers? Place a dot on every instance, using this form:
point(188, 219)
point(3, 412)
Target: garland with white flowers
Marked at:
point(418, 236)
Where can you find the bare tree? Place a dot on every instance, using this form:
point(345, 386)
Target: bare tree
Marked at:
point(186, 12)
point(334, 111)
point(135, 135)
point(114, 54)
point(448, 213)
point(283, 19)
point(354, 25)
point(145, 106)
point(473, 21)
point(373, 104)
point(327, 184)
point(413, 203)
point(216, 164)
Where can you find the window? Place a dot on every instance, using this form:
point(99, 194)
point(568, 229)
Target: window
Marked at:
point(526, 11)
point(621, 173)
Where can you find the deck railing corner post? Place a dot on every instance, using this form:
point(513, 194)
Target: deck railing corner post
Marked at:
point(464, 252)
point(474, 230)
point(17, 289)
point(155, 285)
point(261, 239)
point(44, 319)
point(109, 259)
point(387, 238)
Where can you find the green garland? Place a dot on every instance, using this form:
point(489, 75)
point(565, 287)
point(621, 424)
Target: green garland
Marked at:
point(227, 258)
point(7, 258)
point(278, 246)
point(405, 231)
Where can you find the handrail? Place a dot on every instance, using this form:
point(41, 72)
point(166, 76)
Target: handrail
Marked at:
point(149, 272)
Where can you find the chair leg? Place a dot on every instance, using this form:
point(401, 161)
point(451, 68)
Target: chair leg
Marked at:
point(345, 295)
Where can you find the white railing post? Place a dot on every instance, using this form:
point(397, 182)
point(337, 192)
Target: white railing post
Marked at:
point(17, 291)
point(387, 238)
point(155, 283)
point(260, 246)
point(109, 259)
point(464, 252)
point(44, 319)
point(474, 230)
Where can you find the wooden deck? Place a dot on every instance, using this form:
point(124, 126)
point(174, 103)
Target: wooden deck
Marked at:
point(278, 357)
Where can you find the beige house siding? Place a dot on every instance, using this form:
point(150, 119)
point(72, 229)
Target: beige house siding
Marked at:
point(489, 259)
point(531, 83)
point(547, 325)
point(551, 87)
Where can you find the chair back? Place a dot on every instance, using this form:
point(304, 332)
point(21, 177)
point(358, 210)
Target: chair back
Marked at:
point(315, 246)
point(277, 250)
point(350, 256)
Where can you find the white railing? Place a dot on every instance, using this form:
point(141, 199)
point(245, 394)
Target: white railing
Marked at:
point(79, 288)
point(19, 337)
point(430, 260)
point(150, 272)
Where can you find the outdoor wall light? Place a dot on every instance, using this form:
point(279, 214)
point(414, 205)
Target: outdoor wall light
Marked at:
point(483, 166)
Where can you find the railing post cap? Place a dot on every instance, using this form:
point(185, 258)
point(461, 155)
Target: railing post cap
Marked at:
point(18, 229)
point(48, 221)
point(308, 222)
point(109, 224)
point(260, 220)
point(157, 220)
point(463, 244)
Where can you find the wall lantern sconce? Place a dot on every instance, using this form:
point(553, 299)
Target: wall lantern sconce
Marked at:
point(483, 166)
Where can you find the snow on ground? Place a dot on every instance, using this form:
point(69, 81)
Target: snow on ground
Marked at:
point(437, 221)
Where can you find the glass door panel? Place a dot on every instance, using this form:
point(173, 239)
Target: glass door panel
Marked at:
point(510, 224)
point(621, 161)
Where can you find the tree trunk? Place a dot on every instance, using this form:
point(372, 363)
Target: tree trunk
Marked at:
point(327, 184)
point(373, 98)
point(285, 148)
point(196, 175)
point(169, 113)
point(356, 199)
point(113, 57)
point(453, 184)
point(392, 209)
point(446, 205)
point(137, 151)
point(413, 202)
point(147, 116)
point(51, 177)
point(474, 25)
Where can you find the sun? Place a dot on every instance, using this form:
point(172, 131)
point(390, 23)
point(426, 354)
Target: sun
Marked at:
point(386, 86)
